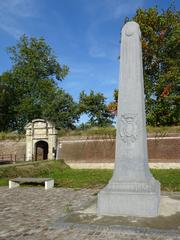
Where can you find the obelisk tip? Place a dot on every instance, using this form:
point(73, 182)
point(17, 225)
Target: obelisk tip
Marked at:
point(130, 28)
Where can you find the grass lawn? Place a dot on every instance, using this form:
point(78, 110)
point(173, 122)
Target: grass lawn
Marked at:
point(81, 178)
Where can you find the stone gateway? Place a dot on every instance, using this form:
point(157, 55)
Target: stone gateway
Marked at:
point(132, 191)
point(41, 140)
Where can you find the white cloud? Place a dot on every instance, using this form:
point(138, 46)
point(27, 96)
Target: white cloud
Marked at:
point(102, 12)
point(11, 29)
point(96, 51)
point(99, 47)
point(109, 9)
point(122, 8)
point(21, 8)
point(13, 12)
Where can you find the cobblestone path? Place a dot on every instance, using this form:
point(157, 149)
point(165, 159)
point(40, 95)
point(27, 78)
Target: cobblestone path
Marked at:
point(27, 214)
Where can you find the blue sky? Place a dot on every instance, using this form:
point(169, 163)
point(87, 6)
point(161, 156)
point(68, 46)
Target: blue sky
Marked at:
point(84, 34)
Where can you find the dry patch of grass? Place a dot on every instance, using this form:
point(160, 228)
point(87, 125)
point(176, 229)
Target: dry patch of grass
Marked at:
point(106, 132)
point(10, 136)
point(111, 131)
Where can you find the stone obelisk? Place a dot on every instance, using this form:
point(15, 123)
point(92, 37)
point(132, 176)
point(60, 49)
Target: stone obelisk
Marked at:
point(132, 191)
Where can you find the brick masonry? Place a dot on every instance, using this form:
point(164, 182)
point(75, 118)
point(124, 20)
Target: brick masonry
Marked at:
point(90, 150)
point(103, 151)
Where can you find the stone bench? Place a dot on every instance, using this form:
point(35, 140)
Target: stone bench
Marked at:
point(49, 182)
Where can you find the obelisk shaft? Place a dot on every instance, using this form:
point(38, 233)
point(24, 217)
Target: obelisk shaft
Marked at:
point(131, 144)
point(132, 183)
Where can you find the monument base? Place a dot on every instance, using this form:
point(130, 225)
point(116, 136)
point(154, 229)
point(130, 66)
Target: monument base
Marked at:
point(114, 202)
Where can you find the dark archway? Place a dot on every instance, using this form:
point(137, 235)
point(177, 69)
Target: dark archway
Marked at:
point(41, 148)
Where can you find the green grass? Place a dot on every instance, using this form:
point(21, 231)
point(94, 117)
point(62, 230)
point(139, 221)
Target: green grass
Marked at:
point(81, 178)
point(165, 129)
point(169, 178)
point(3, 181)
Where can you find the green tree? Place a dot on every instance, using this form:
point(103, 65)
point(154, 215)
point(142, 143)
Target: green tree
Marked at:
point(30, 84)
point(112, 106)
point(96, 109)
point(61, 109)
point(6, 100)
point(161, 60)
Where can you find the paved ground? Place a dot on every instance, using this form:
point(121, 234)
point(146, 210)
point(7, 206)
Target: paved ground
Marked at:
point(29, 214)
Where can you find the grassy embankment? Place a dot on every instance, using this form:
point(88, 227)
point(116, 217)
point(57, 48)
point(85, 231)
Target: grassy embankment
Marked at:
point(80, 178)
point(95, 131)
point(111, 132)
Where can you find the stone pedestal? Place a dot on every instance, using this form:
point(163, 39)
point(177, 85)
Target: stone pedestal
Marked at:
point(116, 202)
point(132, 190)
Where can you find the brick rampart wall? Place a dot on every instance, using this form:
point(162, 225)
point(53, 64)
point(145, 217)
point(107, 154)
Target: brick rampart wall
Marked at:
point(165, 149)
point(103, 151)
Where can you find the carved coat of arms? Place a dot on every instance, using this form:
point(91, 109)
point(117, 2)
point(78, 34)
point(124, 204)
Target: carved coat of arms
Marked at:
point(128, 127)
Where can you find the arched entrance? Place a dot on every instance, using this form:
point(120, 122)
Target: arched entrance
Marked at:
point(41, 140)
point(41, 150)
